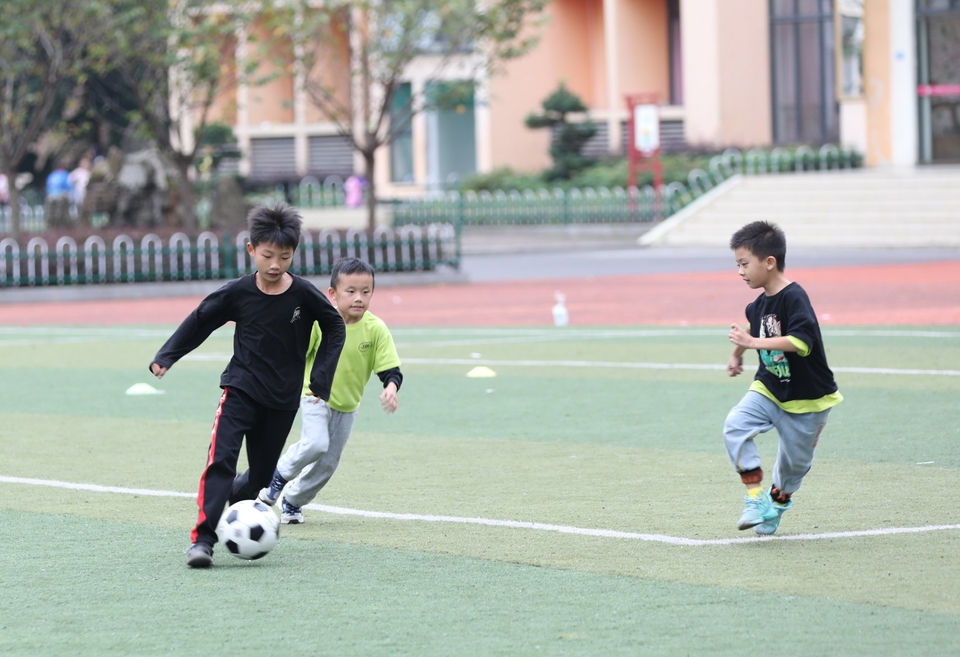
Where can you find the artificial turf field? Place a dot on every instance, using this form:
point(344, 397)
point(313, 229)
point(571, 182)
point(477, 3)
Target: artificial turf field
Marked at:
point(580, 502)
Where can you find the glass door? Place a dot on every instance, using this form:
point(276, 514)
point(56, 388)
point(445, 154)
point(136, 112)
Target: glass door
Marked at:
point(938, 45)
point(451, 133)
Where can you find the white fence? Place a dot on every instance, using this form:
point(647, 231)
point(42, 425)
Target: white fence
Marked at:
point(123, 260)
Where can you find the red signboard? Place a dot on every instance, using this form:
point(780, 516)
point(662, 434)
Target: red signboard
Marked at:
point(939, 90)
point(643, 138)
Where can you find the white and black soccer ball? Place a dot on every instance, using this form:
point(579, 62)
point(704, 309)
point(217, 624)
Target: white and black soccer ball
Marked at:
point(249, 529)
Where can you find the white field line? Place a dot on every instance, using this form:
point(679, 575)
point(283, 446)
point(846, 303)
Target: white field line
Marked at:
point(55, 335)
point(652, 366)
point(224, 357)
point(87, 332)
point(513, 524)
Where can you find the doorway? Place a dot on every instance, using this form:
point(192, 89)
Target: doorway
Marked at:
point(938, 91)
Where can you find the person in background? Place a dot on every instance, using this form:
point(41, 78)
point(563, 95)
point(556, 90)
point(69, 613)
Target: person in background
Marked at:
point(58, 182)
point(78, 179)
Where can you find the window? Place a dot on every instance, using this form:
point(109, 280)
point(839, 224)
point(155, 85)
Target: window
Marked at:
point(803, 71)
point(849, 35)
point(451, 131)
point(330, 154)
point(401, 148)
point(273, 158)
point(426, 31)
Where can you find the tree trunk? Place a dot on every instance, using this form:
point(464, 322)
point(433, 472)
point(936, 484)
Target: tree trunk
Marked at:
point(368, 159)
point(14, 205)
point(186, 201)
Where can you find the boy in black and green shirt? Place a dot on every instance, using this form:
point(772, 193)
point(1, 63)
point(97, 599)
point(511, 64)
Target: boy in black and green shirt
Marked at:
point(793, 390)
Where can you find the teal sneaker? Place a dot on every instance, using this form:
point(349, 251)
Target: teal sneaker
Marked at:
point(757, 510)
point(770, 526)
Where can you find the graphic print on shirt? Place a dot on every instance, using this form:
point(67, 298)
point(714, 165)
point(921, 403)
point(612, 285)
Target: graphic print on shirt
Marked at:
point(775, 361)
point(296, 314)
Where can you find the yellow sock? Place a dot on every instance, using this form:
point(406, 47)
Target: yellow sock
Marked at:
point(754, 492)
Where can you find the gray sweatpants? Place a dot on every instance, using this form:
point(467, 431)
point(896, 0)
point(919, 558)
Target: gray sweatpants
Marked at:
point(799, 433)
point(311, 461)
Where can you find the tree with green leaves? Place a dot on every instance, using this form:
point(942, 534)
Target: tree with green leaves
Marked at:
point(170, 53)
point(367, 47)
point(566, 147)
point(42, 49)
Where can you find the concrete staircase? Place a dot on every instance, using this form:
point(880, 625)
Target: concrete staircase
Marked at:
point(917, 207)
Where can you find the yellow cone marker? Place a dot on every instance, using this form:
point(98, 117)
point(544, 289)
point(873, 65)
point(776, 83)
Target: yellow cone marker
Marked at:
point(481, 372)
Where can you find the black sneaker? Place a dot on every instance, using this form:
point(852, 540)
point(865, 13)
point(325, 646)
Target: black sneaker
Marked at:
point(200, 555)
point(292, 515)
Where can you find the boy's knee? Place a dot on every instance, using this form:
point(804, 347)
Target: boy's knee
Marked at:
point(319, 448)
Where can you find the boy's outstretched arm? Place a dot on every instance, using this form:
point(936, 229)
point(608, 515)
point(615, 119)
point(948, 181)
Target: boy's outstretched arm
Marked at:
point(392, 380)
point(206, 318)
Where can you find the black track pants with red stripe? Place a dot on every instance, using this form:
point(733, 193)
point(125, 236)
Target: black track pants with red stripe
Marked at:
point(266, 430)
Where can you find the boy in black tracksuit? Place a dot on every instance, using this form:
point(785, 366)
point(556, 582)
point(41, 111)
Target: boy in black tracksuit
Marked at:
point(274, 312)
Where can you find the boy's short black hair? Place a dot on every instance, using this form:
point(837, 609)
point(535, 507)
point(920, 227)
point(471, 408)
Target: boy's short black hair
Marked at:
point(280, 225)
point(762, 239)
point(350, 266)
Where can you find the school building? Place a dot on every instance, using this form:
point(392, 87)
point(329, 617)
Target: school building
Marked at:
point(879, 76)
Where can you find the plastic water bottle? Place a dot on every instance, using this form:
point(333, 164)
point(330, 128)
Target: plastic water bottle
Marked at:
point(560, 315)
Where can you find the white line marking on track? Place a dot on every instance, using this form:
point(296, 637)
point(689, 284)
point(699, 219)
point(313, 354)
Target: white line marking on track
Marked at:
point(513, 524)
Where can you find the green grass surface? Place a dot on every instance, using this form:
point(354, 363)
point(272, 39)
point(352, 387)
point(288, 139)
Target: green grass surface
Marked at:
point(583, 444)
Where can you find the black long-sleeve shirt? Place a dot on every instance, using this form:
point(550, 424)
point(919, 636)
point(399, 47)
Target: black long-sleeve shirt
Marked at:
point(270, 340)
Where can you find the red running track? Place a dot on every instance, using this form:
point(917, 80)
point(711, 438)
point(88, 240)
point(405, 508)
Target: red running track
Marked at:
point(925, 294)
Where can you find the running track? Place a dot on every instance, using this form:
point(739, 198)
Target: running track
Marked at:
point(926, 293)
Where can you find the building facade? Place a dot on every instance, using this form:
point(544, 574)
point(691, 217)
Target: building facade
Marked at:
point(878, 76)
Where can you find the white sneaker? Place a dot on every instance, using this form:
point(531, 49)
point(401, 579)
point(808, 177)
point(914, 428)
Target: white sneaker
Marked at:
point(268, 496)
point(292, 515)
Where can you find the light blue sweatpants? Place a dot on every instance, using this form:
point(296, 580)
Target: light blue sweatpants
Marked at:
point(311, 461)
point(799, 433)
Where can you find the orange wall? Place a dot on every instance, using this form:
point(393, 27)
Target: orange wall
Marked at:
point(745, 100)
point(332, 70)
point(644, 48)
point(271, 102)
point(570, 50)
point(224, 108)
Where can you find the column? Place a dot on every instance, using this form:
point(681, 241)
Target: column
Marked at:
point(614, 99)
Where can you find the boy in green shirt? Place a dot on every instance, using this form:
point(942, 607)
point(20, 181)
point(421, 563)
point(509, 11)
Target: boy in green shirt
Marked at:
point(310, 462)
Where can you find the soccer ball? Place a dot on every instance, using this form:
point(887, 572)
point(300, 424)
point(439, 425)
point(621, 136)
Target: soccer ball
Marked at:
point(249, 529)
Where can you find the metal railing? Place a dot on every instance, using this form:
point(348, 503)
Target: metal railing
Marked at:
point(618, 204)
point(541, 206)
point(311, 192)
point(408, 248)
point(32, 219)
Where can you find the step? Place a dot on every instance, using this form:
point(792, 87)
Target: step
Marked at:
point(801, 214)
